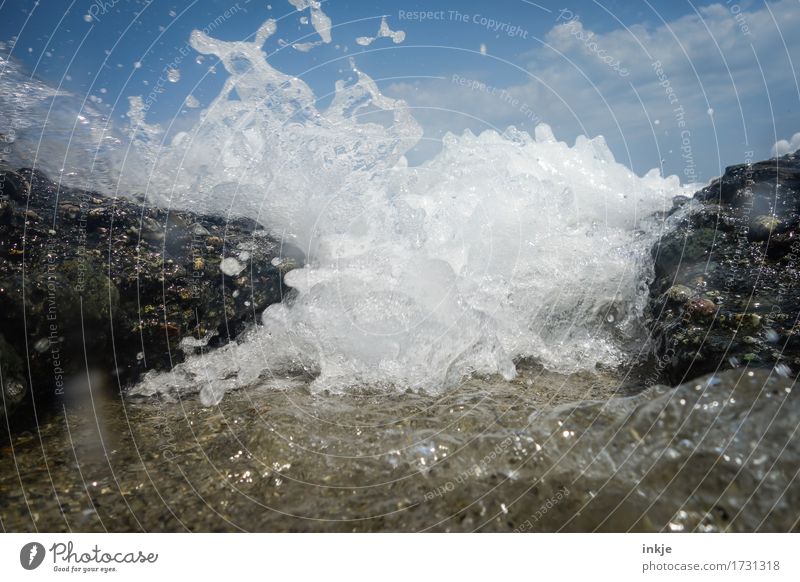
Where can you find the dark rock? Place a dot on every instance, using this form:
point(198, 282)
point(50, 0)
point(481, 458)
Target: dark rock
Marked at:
point(13, 186)
point(700, 307)
point(13, 380)
point(679, 294)
point(6, 210)
point(93, 283)
point(763, 227)
point(727, 277)
point(678, 201)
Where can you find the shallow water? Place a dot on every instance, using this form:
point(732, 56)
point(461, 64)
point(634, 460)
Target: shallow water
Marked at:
point(491, 455)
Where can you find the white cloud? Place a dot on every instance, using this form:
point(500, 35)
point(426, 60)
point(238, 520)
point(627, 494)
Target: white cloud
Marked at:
point(784, 146)
point(583, 82)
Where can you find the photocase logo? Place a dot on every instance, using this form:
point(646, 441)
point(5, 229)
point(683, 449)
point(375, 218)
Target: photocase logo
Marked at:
point(31, 555)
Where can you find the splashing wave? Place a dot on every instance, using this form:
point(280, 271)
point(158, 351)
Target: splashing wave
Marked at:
point(503, 246)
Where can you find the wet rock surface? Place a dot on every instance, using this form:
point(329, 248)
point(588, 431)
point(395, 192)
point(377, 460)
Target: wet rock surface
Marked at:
point(101, 288)
point(727, 278)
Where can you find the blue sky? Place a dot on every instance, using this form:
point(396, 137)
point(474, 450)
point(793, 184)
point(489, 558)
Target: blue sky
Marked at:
point(690, 87)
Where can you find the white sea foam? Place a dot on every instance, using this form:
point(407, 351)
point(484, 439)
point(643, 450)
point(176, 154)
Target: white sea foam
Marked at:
point(501, 247)
point(384, 31)
point(319, 20)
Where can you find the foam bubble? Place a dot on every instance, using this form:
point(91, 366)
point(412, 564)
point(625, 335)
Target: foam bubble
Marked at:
point(231, 267)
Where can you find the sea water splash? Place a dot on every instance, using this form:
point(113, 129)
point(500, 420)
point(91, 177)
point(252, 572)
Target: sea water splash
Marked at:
point(384, 31)
point(64, 135)
point(499, 248)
